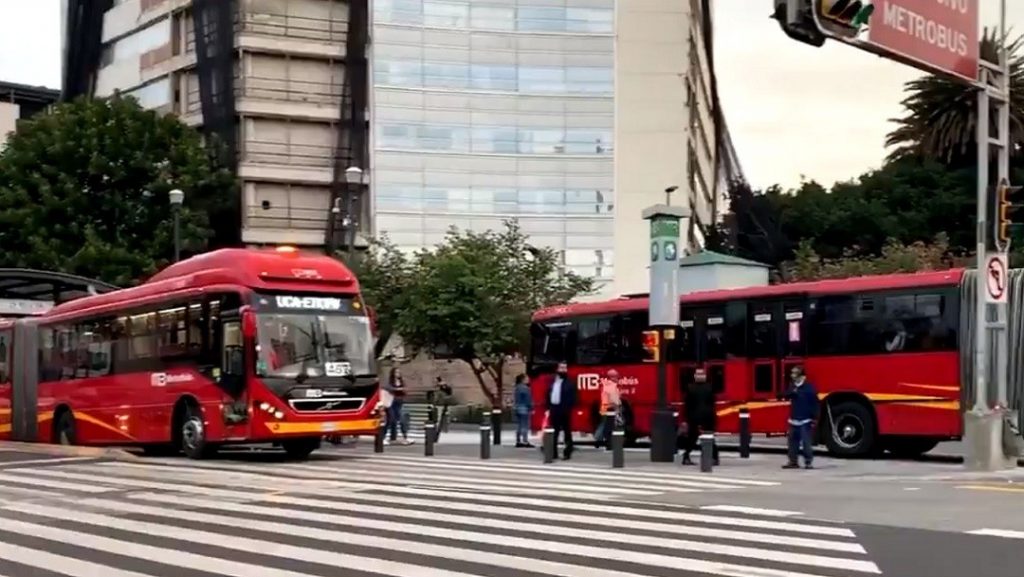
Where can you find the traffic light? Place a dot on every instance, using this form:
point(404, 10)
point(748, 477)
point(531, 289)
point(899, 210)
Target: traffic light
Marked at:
point(796, 19)
point(652, 346)
point(851, 14)
point(1004, 208)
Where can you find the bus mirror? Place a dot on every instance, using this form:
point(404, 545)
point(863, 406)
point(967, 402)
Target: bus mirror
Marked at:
point(248, 324)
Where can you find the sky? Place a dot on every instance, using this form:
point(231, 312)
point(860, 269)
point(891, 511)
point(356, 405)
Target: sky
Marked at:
point(794, 112)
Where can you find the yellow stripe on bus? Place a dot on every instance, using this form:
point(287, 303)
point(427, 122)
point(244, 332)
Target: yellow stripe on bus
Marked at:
point(323, 427)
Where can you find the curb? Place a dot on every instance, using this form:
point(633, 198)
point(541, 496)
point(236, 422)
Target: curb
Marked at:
point(66, 450)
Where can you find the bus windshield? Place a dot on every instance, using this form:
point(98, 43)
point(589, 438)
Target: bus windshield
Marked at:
point(314, 345)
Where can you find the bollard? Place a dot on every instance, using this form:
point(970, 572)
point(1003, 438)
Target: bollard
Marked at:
point(496, 425)
point(618, 449)
point(485, 441)
point(744, 434)
point(378, 439)
point(607, 429)
point(548, 445)
point(707, 452)
point(428, 439)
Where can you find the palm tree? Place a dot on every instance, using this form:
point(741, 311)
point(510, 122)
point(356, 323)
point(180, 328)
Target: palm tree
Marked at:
point(941, 114)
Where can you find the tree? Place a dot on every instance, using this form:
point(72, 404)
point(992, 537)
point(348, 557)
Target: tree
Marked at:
point(85, 189)
point(752, 227)
point(471, 297)
point(385, 273)
point(941, 114)
point(895, 257)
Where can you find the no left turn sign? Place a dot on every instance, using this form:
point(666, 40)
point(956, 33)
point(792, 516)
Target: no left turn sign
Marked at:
point(997, 279)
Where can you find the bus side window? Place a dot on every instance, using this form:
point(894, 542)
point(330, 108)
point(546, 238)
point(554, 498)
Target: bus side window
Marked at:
point(5, 356)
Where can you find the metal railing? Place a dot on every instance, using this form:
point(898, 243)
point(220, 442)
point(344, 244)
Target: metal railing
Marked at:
point(287, 153)
point(290, 89)
point(334, 30)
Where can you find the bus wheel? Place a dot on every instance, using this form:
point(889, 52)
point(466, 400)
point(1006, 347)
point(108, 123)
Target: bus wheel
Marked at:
point(64, 428)
point(909, 447)
point(851, 430)
point(193, 434)
point(300, 449)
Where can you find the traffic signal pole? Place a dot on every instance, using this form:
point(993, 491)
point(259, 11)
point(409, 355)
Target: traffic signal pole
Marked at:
point(984, 423)
point(663, 315)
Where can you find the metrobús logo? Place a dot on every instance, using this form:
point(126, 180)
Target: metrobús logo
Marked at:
point(164, 379)
point(309, 303)
point(592, 381)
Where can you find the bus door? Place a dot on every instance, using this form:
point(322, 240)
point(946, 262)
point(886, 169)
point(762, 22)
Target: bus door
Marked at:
point(6, 384)
point(775, 344)
point(710, 344)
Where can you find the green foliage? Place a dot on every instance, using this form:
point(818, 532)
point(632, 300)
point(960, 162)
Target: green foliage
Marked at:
point(895, 257)
point(470, 298)
point(85, 190)
point(941, 113)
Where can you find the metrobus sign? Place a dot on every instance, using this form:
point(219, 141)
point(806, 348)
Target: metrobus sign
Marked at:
point(939, 36)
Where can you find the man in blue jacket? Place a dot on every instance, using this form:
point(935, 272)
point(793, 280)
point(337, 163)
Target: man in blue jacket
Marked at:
point(803, 411)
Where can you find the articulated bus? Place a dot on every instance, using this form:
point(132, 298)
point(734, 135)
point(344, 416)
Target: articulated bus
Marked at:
point(883, 351)
point(230, 347)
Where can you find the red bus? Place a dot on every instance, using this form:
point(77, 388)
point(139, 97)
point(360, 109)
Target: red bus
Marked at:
point(883, 351)
point(230, 347)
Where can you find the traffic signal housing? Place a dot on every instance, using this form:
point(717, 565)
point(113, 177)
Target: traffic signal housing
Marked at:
point(652, 346)
point(843, 18)
point(1004, 217)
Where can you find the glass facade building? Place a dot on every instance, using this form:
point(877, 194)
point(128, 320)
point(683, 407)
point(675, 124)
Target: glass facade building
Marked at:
point(484, 110)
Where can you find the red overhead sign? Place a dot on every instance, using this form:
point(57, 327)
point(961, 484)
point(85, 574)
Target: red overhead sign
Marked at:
point(937, 35)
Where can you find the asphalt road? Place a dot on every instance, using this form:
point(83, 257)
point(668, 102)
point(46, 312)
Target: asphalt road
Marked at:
point(354, 513)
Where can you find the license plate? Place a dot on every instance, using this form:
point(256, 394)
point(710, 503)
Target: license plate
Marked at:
point(328, 427)
point(338, 369)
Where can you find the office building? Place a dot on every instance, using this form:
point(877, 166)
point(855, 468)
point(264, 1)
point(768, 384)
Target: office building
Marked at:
point(569, 115)
point(19, 101)
point(282, 84)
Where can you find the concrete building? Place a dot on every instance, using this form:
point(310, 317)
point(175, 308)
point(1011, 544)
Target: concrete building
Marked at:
point(570, 115)
point(19, 101)
point(666, 116)
point(282, 83)
point(486, 110)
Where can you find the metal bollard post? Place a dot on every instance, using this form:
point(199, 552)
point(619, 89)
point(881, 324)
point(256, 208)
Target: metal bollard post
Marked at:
point(496, 425)
point(707, 452)
point(548, 445)
point(428, 439)
point(378, 439)
point(485, 441)
point(744, 434)
point(608, 427)
point(618, 449)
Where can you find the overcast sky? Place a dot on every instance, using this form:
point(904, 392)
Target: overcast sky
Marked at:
point(793, 110)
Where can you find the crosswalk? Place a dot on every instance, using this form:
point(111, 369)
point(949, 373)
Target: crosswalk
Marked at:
point(391, 516)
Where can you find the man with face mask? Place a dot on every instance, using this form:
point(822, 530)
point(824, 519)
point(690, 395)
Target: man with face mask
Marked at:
point(560, 400)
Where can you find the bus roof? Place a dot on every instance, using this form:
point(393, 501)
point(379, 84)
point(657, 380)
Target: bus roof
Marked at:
point(282, 268)
point(832, 286)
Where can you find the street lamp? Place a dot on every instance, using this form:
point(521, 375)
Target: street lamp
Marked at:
point(177, 198)
point(354, 178)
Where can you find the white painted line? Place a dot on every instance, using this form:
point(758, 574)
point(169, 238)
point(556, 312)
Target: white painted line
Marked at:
point(543, 476)
point(751, 510)
point(485, 538)
point(194, 535)
point(70, 566)
point(911, 488)
point(16, 464)
point(516, 500)
point(18, 491)
point(1005, 533)
point(416, 510)
point(202, 562)
point(20, 478)
point(604, 473)
point(278, 479)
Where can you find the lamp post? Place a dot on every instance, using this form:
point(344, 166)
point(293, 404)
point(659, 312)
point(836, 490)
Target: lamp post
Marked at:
point(177, 198)
point(354, 178)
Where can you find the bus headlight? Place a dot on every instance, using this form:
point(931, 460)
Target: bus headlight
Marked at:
point(278, 415)
point(264, 406)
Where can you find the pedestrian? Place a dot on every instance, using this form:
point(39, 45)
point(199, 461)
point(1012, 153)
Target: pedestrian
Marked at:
point(523, 402)
point(561, 400)
point(701, 407)
point(611, 402)
point(803, 411)
point(396, 388)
